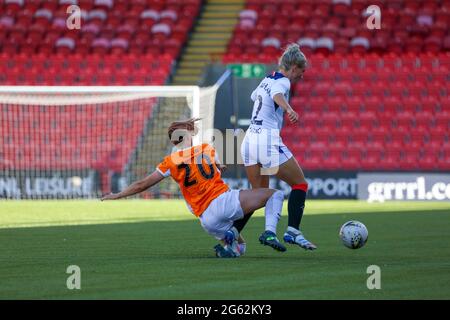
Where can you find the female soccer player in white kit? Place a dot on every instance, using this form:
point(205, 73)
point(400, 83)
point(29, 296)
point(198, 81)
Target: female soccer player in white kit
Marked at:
point(262, 149)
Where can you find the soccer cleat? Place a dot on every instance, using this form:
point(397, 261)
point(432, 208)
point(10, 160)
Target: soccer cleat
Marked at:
point(224, 252)
point(234, 247)
point(299, 239)
point(242, 248)
point(268, 238)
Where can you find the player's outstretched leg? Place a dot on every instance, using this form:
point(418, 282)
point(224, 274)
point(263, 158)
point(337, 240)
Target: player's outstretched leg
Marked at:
point(291, 173)
point(296, 206)
point(272, 200)
point(273, 213)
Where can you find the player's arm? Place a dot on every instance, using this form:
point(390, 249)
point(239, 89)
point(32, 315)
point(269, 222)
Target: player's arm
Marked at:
point(281, 101)
point(136, 187)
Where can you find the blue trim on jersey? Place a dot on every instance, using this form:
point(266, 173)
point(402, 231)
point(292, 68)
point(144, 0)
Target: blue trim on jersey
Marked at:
point(282, 152)
point(276, 105)
point(275, 75)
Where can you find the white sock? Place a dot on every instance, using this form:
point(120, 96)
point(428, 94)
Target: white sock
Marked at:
point(293, 230)
point(273, 210)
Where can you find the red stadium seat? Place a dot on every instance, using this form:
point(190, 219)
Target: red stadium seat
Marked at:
point(401, 80)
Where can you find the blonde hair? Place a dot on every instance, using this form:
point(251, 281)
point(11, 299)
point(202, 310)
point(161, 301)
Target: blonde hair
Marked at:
point(292, 56)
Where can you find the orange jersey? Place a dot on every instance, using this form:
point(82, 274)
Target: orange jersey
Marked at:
point(195, 171)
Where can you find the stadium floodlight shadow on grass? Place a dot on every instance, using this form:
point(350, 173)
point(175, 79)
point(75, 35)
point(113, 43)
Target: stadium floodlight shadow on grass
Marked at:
point(175, 260)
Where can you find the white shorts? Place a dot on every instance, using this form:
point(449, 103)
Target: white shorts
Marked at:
point(218, 218)
point(261, 146)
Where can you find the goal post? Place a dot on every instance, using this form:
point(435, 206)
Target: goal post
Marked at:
point(83, 141)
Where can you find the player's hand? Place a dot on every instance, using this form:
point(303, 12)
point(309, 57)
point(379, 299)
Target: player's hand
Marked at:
point(223, 168)
point(293, 116)
point(111, 196)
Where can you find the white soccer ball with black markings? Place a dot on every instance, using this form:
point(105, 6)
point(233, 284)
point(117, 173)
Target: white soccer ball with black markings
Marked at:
point(354, 234)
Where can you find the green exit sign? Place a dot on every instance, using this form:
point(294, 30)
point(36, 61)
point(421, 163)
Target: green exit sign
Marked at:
point(248, 70)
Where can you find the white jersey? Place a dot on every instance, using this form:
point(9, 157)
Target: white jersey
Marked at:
point(266, 113)
point(262, 143)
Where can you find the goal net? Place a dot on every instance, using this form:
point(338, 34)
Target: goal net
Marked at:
point(82, 142)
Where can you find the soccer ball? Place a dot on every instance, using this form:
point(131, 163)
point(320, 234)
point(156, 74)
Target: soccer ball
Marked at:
point(353, 234)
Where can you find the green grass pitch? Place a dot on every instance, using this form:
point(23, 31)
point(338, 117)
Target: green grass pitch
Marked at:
point(154, 249)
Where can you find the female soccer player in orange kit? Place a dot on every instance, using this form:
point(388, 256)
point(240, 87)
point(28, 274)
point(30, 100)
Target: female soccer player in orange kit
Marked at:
point(196, 170)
